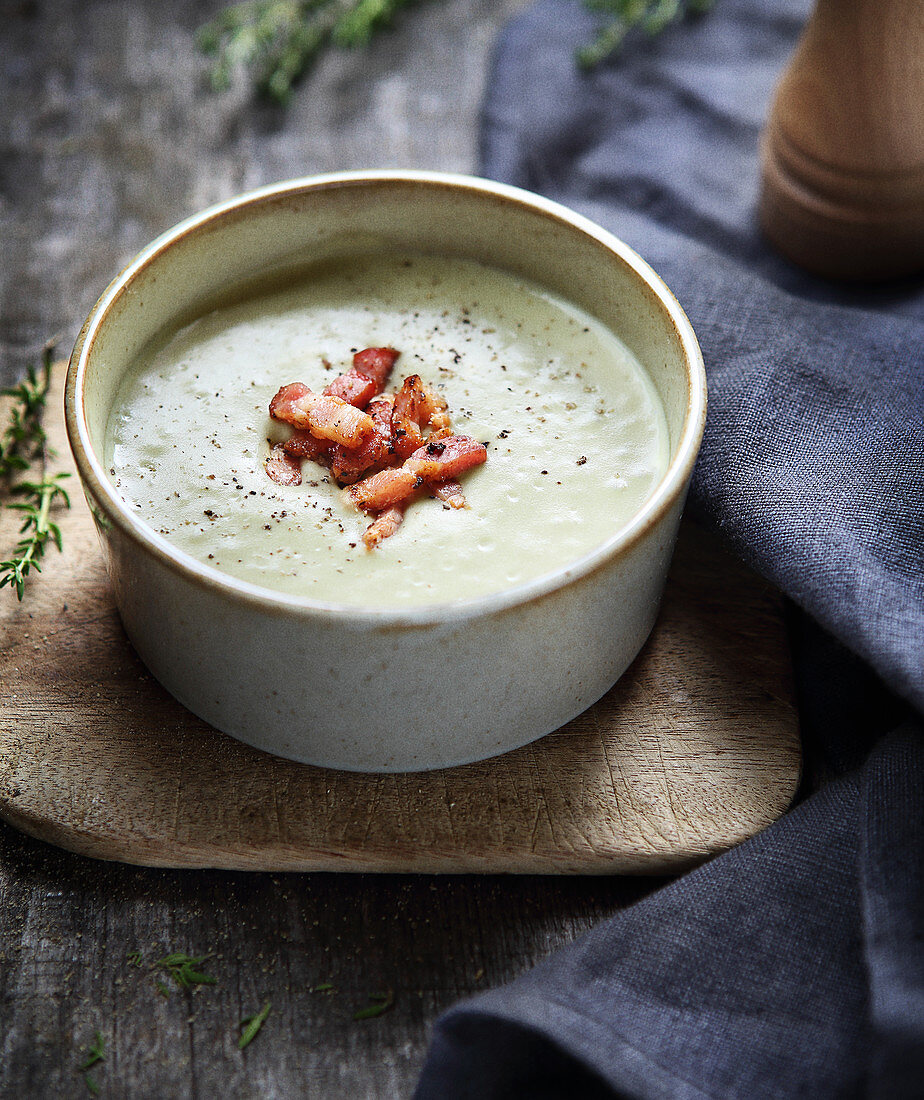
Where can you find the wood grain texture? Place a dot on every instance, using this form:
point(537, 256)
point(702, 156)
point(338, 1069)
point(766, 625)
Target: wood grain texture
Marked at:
point(694, 750)
point(109, 134)
point(843, 150)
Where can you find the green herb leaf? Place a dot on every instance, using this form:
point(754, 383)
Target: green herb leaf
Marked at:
point(92, 1086)
point(324, 987)
point(23, 441)
point(252, 1025)
point(36, 529)
point(278, 41)
point(379, 1003)
point(23, 438)
point(133, 958)
point(95, 1052)
point(620, 18)
point(184, 969)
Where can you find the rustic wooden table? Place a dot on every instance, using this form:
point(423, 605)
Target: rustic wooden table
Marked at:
point(108, 137)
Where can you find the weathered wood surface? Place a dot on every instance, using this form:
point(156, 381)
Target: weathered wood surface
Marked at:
point(695, 749)
point(106, 139)
point(109, 136)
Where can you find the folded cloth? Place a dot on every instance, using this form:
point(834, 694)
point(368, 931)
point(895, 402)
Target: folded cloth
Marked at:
point(793, 965)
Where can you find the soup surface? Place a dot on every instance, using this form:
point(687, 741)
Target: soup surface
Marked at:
point(576, 435)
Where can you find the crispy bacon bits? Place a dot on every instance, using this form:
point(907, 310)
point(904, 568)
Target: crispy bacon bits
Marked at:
point(282, 467)
point(386, 448)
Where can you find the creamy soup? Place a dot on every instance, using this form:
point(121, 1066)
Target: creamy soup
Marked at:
point(576, 435)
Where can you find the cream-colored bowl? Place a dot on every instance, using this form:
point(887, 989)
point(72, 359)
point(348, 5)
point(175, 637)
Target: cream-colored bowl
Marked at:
point(375, 689)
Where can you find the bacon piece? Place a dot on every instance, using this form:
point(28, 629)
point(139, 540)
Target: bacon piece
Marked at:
point(350, 463)
point(283, 405)
point(384, 525)
point(417, 406)
point(323, 415)
point(406, 435)
point(380, 410)
point(354, 387)
point(305, 445)
point(366, 378)
point(449, 492)
point(434, 462)
point(384, 489)
point(376, 363)
point(438, 419)
point(447, 458)
point(283, 468)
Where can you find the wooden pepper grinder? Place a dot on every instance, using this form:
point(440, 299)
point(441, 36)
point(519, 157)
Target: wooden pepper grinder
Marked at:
point(843, 150)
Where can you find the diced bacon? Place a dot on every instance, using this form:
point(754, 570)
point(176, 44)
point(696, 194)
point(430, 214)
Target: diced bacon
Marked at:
point(350, 463)
point(402, 443)
point(416, 406)
point(380, 410)
point(376, 363)
point(305, 445)
point(383, 526)
point(449, 492)
point(434, 462)
point(354, 387)
point(324, 416)
point(283, 468)
point(438, 413)
point(447, 458)
point(384, 489)
point(282, 407)
point(406, 435)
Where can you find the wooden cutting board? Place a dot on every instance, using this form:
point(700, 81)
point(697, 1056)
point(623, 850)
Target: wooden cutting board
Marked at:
point(695, 749)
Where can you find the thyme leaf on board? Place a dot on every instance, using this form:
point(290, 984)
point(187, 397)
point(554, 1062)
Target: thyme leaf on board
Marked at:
point(96, 1052)
point(251, 1025)
point(185, 969)
point(379, 1003)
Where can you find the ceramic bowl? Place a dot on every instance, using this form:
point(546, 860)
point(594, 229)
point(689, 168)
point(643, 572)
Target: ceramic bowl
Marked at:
point(525, 660)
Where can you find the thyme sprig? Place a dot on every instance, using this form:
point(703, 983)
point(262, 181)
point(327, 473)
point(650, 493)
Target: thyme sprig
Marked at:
point(23, 439)
point(36, 531)
point(279, 40)
point(622, 17)
point(96, 1052)
point(23, 442)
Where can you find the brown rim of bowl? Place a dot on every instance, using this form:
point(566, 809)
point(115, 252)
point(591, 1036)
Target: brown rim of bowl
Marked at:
point(665, 495)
